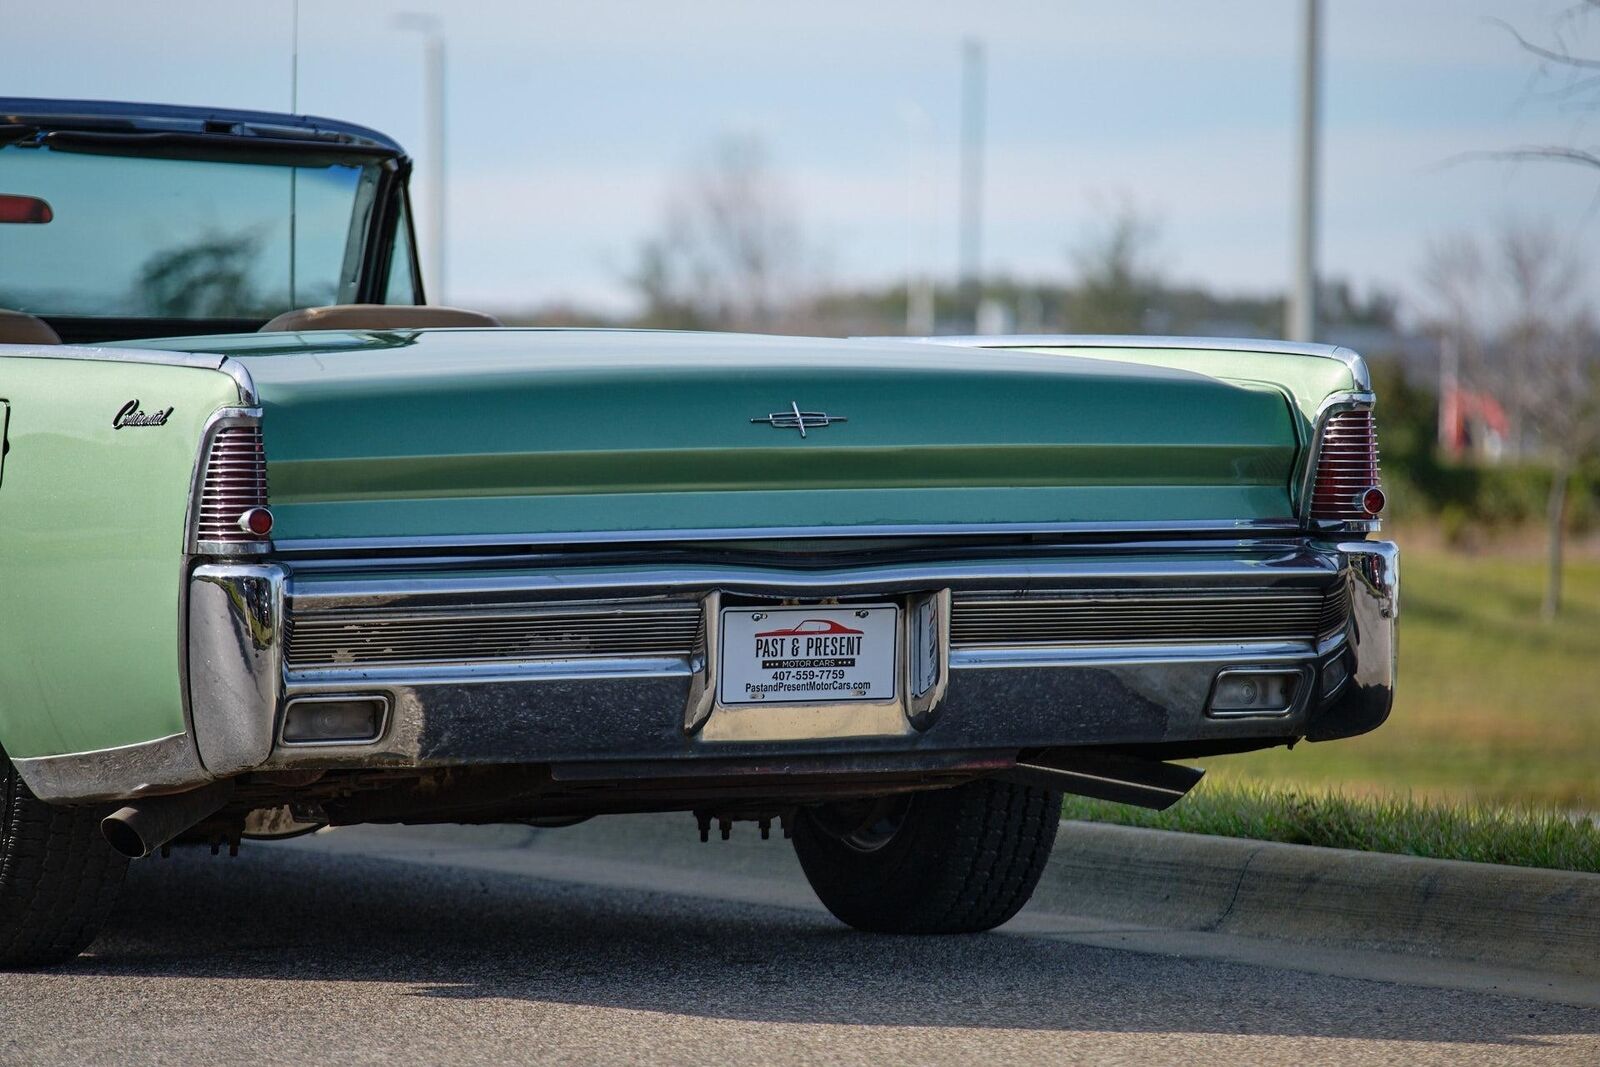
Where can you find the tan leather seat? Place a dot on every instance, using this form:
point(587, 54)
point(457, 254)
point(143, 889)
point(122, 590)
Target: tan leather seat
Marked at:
point(376, 317)
point(21, 328)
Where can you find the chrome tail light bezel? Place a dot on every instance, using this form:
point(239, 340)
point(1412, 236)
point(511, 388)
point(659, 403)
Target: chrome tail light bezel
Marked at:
point(208, 538)
point(1327, 417)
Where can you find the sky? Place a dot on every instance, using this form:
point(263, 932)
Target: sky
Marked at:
point(568, 125)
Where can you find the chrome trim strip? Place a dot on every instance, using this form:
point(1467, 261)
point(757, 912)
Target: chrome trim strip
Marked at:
point(248, 397)
point(343, 679)
point(1358, 366)
point(962, 659)
point(166, 765)
point(1288, 568)
point(1224, 527)
point(88, 353)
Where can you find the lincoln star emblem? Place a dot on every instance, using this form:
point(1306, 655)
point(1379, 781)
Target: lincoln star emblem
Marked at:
point(795, 419)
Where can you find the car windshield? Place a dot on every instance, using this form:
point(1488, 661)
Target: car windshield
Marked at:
point(150, 237)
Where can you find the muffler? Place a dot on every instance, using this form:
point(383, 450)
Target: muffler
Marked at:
point(1146, 783)
point(145, 825)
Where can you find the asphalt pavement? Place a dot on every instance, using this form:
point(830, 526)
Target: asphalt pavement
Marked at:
point(383, 946)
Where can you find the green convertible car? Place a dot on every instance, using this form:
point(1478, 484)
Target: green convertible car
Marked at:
point(282, 547)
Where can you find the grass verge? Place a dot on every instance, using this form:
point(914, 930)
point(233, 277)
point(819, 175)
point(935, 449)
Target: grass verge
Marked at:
point(1408, 826)
point(1494, 705)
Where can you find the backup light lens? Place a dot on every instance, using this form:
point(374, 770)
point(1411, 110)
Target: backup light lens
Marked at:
point(330, 720)
point(1254, 693)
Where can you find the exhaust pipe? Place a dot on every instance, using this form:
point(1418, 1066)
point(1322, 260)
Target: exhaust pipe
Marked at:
point(145, 825)
point(1145, 783)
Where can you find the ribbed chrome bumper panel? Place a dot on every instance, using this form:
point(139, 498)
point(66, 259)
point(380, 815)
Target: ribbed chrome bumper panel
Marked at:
point(1108, 618)
point(494, 633)
point(529, 633)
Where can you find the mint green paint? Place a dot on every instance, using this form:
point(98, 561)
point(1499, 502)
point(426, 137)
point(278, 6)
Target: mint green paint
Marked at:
point(510, 431)
point(91, 546)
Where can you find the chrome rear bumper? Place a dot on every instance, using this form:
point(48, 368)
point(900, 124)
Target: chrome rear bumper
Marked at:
point(589, 665)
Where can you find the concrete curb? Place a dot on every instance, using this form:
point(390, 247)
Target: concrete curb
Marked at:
point(1536, 920)
point(1499, 917)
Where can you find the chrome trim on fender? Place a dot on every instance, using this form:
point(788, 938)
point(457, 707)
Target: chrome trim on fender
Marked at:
point(235, 662)
point(248, 397)
point(166, 765)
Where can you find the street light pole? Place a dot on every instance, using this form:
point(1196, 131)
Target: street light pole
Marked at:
point(1302, 317)
point(433, 238)
point(972, 123)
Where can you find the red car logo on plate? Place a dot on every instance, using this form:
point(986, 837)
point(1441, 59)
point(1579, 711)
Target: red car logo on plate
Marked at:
point(811, 628)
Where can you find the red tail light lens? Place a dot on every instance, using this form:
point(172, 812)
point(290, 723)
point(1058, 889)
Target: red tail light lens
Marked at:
point(1346, 486)
point(233, 493)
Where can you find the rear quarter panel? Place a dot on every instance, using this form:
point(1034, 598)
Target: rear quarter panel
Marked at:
point(92, 531)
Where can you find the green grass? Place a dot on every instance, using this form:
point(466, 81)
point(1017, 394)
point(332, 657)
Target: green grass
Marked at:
point(1494, 706)
point(1521, 837)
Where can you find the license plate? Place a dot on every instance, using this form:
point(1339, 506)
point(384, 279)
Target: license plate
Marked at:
point(809, 655)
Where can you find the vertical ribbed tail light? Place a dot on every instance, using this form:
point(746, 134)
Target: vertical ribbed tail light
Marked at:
point(1346, 485)
point(231, 508)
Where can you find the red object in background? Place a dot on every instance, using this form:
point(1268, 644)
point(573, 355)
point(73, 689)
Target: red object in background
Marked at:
point(1471, 421)
point(24, 209)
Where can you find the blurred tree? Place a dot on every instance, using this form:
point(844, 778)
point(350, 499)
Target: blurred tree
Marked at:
point(728, 254)
point(1515, 311)
point(1117, 280)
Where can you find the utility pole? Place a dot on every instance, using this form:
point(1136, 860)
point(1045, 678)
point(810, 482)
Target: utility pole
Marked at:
point(971, 221)
point(920, 206)
point(1303, 299)
point(433, 234)
point(1302, 318)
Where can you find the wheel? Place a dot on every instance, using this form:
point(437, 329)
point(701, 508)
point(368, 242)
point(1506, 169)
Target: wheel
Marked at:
point(58, 877)
point(947, 861)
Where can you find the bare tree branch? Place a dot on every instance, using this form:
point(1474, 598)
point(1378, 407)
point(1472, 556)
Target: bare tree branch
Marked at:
point(1566, 59)
point(1547, 153)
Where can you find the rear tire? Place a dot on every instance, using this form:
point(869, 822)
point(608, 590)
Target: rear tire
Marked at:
point(948, 861)
point(58, 877)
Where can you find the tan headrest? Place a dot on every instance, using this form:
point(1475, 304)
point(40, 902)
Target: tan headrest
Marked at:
point(21, 328)
point(376, 317)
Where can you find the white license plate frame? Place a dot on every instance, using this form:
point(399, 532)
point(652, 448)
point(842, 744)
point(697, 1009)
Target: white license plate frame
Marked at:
point(833, 654)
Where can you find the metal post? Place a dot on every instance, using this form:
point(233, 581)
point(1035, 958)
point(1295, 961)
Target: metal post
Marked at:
point(1302, 317)
point(972, 123)
point(433, 231)
point(920, 204)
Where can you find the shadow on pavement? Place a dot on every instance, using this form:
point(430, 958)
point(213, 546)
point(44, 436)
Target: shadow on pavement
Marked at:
point(281, 914)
